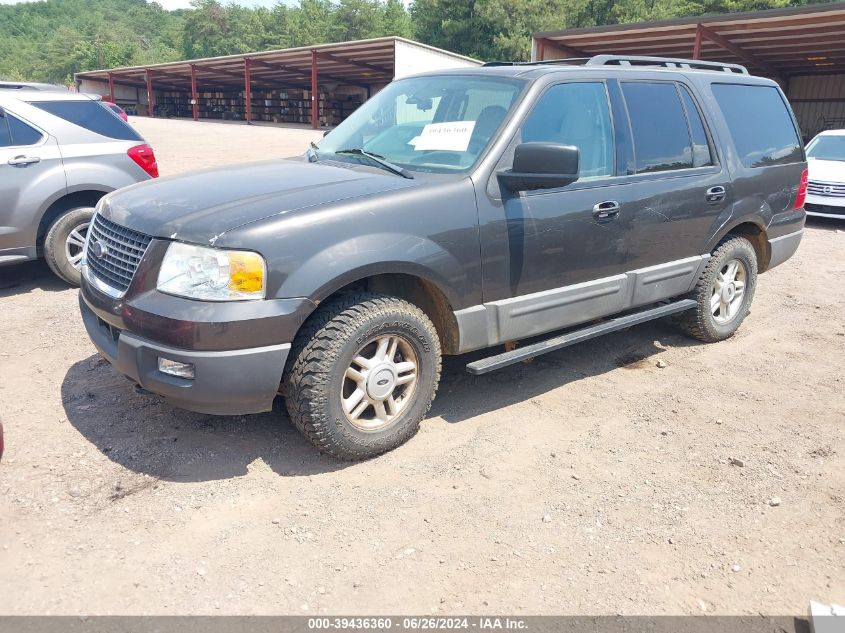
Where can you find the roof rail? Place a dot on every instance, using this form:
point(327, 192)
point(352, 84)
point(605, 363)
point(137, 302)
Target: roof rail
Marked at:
point(546, 62)
point(665, 62)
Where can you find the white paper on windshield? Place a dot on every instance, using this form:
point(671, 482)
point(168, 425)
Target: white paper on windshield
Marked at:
point(452, 136)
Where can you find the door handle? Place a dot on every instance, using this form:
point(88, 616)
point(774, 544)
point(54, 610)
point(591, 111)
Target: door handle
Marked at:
point(715, 194)
point(23, 161)
point(606, 211)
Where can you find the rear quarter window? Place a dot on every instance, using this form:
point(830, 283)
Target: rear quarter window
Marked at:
point(760, 124)
point(91, 115)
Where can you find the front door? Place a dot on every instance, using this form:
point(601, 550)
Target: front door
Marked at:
point(553, 258)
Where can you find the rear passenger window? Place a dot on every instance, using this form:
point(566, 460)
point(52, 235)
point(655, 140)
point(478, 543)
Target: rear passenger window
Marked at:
point(700, 147)
point(760, 124)
point(92, 115)
point(575, 114)
point(22, 134)
point(661, 135)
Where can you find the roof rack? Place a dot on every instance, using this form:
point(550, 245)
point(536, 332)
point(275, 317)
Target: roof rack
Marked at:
point(665, 62)
point(633, 60)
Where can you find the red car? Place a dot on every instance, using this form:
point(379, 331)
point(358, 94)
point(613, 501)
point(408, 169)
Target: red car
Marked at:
point(116, 109)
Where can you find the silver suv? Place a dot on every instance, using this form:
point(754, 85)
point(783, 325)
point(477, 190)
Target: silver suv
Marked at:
point(60, 152)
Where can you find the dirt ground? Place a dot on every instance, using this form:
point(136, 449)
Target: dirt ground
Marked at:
point(587, 482)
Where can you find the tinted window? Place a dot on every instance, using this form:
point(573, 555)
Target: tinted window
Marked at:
point(5, 136)
point(762, 130)
point(661, 135)
point(22, 134)
point(575, 114)
point(700, 147)
point(91, 115)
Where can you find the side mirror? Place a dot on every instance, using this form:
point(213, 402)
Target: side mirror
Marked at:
point(541, 166)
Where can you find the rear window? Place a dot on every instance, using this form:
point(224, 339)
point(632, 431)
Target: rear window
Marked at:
point(91, 115)
point(758, 119)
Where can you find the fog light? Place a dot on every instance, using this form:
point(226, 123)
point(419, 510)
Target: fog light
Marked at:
point(175, 368)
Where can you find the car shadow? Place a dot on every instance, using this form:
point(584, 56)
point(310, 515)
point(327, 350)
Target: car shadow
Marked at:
point(463, 396)
point(18, 279)
point(824, 224)
point(141, 432)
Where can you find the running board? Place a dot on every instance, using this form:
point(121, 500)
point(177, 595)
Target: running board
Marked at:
point(492, 363)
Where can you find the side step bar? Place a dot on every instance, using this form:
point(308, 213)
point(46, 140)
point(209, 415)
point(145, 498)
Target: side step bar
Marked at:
point(492, 363)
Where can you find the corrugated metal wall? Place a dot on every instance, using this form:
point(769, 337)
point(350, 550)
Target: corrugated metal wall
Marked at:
point(818, 101)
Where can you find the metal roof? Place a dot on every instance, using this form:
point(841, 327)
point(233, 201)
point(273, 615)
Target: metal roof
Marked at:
point(360, 62)
point(778, 43)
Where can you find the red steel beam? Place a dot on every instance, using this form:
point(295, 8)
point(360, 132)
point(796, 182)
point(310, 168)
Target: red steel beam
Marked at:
point(150, 103)
point(315, 104)
point(248, 91)
point(736, 50)
point(195, 107)
point(696, 49)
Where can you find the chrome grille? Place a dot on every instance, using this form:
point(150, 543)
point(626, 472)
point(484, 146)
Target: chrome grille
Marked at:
point(123, 250)
point(830, 189)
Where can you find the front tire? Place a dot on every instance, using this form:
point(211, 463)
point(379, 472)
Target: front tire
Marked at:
point(362, 375)
point(65, 241)
point(724, 292)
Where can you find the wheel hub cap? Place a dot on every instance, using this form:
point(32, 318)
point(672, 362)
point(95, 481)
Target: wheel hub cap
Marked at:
point(381, 381)
point(728, 291)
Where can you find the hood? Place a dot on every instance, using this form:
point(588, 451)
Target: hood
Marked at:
point(826, 170)
point(199, 206)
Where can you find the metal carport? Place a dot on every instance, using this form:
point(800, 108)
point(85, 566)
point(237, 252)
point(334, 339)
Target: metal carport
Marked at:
point(803, 48)
point(365, 64)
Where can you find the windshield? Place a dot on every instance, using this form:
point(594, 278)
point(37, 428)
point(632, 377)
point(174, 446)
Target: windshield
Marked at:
point(827, 148)
point(438, 124)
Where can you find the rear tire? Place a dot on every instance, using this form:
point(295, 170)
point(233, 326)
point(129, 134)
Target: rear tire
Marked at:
point(362, 375)
point(724, 292)
point(65, 241)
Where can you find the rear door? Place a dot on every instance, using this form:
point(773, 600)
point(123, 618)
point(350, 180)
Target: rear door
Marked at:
point(31, 175)
point(680, 189)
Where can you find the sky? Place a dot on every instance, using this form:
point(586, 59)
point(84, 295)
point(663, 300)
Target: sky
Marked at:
point(184, 4)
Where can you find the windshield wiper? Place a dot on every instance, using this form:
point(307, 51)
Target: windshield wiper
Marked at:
point(377, 159)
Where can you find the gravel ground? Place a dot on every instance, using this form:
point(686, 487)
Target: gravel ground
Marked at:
point(590, 481)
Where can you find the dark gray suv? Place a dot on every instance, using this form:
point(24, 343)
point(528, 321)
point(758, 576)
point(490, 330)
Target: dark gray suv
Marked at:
point(454, 211)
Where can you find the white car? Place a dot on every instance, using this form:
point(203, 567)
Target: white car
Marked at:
point(826, 164)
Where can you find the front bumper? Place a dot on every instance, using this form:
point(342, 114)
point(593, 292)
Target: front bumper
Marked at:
point(228, 382)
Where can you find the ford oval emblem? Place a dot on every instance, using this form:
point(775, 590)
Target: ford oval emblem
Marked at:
point(98, 249)
point(382, 382)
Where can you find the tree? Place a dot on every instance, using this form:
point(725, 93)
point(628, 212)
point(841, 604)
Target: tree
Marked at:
point(397, 21)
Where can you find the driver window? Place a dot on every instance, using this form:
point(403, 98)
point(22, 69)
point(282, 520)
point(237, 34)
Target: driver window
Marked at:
point(575, 114)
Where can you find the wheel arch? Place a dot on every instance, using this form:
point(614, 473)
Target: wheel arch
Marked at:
point(83, 198)
point(405, 282)
point(754, 231)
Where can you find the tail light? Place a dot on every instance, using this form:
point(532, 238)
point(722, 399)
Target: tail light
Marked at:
point(146, 159)
point(802, 189)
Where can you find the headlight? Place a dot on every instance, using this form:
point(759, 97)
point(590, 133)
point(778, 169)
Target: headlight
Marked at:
point(212, 274)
